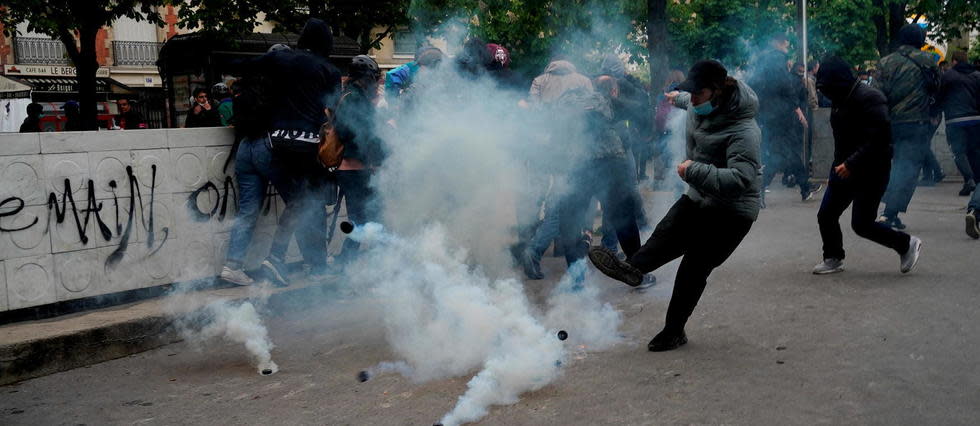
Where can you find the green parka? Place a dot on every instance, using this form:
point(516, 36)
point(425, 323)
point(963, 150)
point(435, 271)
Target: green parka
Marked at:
point(724, 146)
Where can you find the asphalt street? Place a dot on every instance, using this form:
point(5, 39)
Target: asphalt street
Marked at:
point(769, 344)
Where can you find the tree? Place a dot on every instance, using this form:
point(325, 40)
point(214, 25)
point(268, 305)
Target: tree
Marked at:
point(354, 18)
point(657, 42)
point(76, 23)
point(945, 19)
point(536, 30)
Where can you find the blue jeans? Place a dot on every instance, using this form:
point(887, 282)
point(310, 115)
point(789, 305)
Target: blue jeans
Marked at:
point(547, 231)
point(958, 137)
point(252, 165)
point(969, 138)
point(912, 146)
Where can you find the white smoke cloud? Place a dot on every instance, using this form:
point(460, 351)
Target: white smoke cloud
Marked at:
point(447, 319)
point(201, 323)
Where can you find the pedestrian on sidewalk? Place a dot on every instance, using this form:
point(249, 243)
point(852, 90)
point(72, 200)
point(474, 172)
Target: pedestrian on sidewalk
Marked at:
point(910, 81)
point(859, 174)
point(706, 225)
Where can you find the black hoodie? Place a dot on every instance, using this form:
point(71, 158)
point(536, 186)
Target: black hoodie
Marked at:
point(862, 130)
point(959, 94)
point(300, 83)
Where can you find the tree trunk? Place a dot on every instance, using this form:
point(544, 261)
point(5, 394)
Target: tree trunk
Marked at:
point(881, 26)
point(86, 66)
point(657, 42)
point(896, 20)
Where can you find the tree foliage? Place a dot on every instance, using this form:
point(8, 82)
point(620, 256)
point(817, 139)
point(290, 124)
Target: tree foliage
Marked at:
point(353, 18)
point(536, 30)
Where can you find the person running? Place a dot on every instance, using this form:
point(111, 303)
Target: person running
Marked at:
point(907, 80)
point(859, 173)
point(780, 112)
point(959, 97)
point(706, 225)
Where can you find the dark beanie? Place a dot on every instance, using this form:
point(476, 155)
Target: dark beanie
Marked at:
point(912, 35)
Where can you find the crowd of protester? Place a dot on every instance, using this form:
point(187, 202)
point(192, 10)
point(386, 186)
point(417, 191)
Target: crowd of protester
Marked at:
point(734, 138)
point(738, 135)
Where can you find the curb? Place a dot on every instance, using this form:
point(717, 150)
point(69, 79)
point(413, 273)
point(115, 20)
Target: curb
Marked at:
point(40, 356)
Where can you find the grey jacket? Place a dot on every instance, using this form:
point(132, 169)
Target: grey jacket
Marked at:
point(724, 146)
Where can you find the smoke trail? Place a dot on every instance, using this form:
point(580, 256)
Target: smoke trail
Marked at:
point(237, 322)
point(446, 319)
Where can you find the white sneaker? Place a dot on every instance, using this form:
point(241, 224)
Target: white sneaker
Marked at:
point(236, 276)
point(829, 266)
point(911, 257)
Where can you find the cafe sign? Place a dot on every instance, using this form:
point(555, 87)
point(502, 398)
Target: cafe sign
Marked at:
point(47, 71)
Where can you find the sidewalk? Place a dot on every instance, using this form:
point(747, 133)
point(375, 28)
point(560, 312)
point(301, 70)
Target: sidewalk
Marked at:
point(37, 348)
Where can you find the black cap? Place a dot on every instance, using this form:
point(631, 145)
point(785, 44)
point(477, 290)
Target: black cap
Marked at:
point(707, 73)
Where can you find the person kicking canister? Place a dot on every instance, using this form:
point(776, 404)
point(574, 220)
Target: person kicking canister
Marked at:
point(706, 225)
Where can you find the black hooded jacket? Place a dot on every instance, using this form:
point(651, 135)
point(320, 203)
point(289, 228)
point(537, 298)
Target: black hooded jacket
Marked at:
point(862, 129)
point(299, 84)
point(959, 93)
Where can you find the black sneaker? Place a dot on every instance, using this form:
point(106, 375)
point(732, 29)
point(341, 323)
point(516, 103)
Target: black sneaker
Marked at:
point(667, 341)
point(605, 261)
point(892, 221)
point(972, 227)
point(967, 189)
point(808, 195)
point(531, 266)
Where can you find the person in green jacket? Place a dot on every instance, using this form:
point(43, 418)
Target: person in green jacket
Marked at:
point(707, 224)
point(222, 94)
point(909, 80)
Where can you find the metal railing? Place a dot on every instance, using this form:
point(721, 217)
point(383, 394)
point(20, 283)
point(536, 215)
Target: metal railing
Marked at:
point(135, 53)
point(39, 51)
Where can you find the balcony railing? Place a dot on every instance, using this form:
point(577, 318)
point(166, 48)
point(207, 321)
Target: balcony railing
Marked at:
point(135, 53)
point(39, 51)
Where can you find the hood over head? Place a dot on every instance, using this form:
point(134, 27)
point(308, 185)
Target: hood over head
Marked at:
point(560, 67)
point(912, 35)
point(316, 38)
point(499, 55)
point(835, 78)
point(612, 65)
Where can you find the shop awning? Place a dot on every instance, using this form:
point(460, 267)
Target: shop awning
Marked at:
point(13, 89)
point(45, 84)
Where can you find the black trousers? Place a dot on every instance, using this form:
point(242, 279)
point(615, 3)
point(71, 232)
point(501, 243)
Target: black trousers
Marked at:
point(782, 148)
point(865, 194)
point(705, 237)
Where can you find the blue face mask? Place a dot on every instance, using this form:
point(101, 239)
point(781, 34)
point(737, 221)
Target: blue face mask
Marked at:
point(703, 109)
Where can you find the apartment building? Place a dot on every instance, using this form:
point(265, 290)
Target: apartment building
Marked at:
point(36, 68)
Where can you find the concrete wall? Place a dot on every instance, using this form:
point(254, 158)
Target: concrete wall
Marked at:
point(104, 240)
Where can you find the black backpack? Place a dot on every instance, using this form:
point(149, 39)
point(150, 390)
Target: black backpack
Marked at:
point(930, 77)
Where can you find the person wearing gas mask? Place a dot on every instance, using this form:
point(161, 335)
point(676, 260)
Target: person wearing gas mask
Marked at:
point(707, 224)
point(859, 174)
